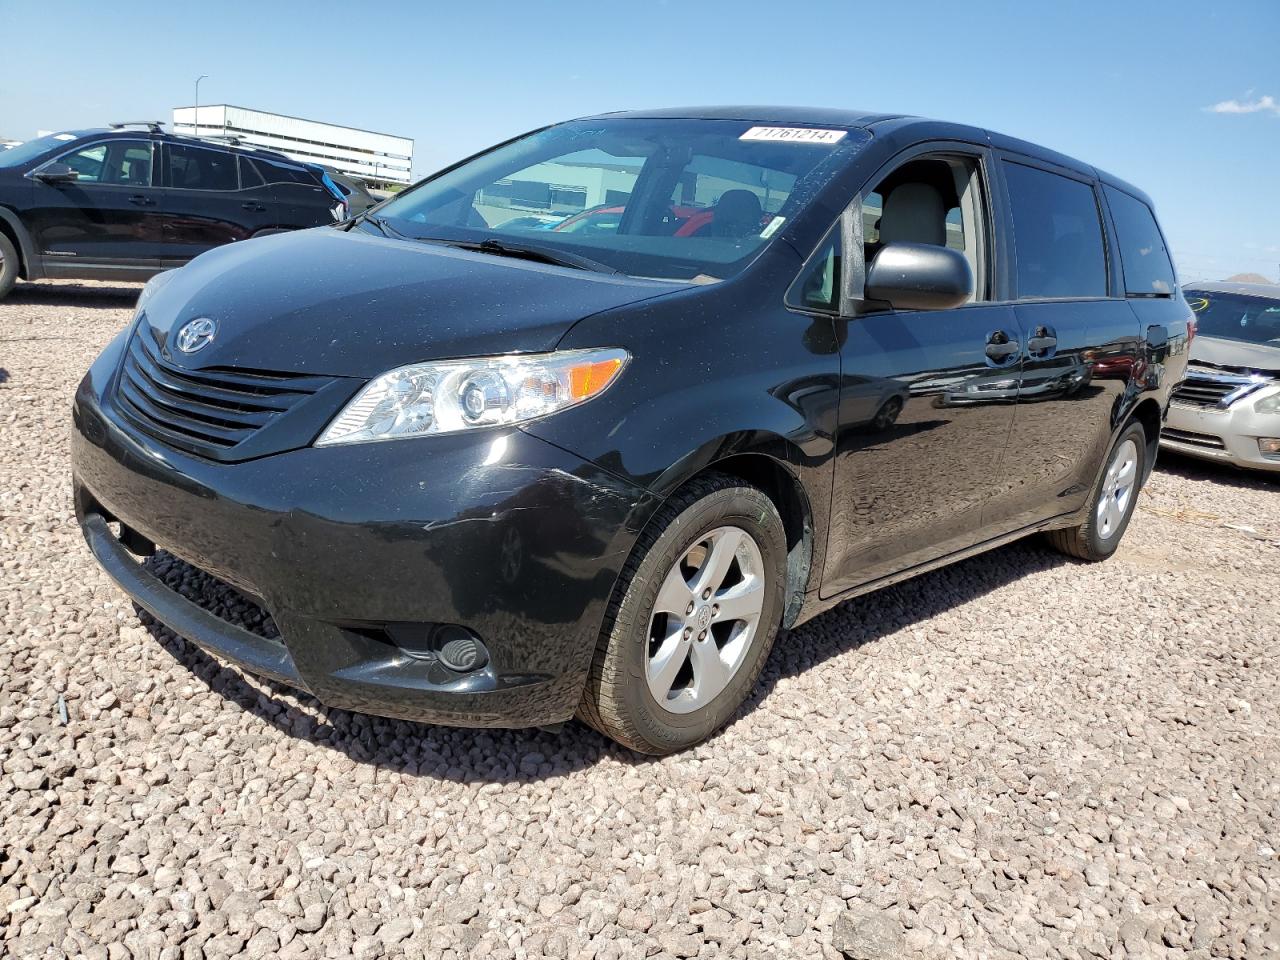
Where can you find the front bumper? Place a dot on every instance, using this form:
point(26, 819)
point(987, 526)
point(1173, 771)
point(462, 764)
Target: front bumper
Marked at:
point(355, 550)
point(1226, 436)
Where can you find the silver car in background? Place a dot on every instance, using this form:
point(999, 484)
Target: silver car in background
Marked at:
point(1228, 407)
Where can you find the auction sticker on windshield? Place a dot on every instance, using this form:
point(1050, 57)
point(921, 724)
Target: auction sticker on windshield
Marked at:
point(794, 134)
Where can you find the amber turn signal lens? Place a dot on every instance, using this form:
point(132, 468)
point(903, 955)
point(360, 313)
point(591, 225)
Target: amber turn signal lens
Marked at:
point(590, 378)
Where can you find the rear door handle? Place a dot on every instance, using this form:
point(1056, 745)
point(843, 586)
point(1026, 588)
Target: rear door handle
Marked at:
point(140, 200)
point(1043, 342)
point(1002, 348)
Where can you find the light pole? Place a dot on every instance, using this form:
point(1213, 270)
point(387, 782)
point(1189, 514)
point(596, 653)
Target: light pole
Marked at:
point(195, 125)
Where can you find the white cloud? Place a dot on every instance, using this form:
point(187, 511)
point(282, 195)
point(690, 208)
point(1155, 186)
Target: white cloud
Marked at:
point(1263, 104)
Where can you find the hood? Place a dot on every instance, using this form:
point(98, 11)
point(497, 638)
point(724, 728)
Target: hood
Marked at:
point(1235, 356)
point(347, 303)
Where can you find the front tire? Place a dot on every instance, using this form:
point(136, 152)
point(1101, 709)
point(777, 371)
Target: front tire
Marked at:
point(692, 619)
point(1110, 508)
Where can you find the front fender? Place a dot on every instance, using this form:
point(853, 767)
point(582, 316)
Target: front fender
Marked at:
point(715, 373)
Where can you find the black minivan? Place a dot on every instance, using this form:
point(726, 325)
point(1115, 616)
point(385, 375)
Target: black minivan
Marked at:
point(481, 471)
point(124, 204)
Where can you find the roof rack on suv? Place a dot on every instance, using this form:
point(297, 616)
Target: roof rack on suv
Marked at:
point(155, 126)
point(232, 138)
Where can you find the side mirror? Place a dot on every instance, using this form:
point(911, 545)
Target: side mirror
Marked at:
point(56, 173)
point(919, 276)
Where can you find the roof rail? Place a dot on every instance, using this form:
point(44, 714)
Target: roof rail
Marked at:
point(232, 138)
point(155, 126)
point(237, 141)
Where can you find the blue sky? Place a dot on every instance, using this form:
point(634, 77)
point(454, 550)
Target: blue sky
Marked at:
point(1125, 85)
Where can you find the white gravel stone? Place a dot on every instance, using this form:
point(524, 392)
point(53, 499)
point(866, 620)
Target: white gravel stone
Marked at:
point(1016, 756)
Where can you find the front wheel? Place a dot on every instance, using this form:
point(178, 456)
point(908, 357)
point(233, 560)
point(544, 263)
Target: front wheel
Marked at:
point(692, 620)
point(1112, 503)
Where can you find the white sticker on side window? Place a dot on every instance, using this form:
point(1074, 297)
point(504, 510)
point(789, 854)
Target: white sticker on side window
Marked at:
point(794, 134)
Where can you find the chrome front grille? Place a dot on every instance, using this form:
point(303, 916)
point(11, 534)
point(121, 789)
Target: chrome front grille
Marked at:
point(1203, 388)
point(208, 412)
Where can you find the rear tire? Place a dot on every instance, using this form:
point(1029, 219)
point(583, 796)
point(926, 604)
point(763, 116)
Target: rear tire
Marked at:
point(8, 266)
point(1111, 506)
point(663, 681)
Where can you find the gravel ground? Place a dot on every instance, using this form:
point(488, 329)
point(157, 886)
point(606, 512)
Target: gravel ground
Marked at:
point(1014, 756)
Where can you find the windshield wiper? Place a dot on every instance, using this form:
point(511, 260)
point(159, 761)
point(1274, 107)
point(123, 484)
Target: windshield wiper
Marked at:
point(499, 248)
point(383, 227)
point(540, 254)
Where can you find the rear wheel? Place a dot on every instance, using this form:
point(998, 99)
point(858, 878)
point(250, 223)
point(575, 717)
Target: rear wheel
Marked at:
point(692, 620)
point(1111, 506)
point(8, 266)
point(888, 414)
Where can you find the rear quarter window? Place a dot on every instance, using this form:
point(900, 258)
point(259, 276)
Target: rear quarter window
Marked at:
point(273, 172)
point(249, 175)
point(1148, 272)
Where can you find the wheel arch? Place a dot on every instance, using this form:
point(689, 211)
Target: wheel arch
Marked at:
point(1148, 413)
point(13, 228)
point(767, 464)
point(788, 495)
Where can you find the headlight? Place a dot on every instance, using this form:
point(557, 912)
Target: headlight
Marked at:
point(152, 285)
point(1268, 404)
point(455, 395)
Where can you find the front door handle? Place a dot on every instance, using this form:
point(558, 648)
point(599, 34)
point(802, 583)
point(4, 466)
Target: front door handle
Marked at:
point(252, 205)
point(1043, 342)
point(1002, 348)
point(140, 200)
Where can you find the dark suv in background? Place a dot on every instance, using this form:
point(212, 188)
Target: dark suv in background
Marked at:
point(125, 204)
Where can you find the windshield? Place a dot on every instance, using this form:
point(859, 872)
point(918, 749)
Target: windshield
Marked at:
point(1235, 316)
point(26, 152)
point(674, 199)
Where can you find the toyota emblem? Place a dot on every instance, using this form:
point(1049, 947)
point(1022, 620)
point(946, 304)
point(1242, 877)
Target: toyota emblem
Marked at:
point(196, 335)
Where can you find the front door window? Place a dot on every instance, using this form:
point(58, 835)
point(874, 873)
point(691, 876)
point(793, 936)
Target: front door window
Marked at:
point(936, 200)
point(123, 162)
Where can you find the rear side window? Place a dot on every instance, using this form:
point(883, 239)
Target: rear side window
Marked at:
point(1057, 236)
point(129, 163)
point(1147, 270)
point(195, 168)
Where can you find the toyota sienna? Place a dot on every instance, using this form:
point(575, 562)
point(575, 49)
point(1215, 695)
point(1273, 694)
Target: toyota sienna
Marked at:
point(483, 472)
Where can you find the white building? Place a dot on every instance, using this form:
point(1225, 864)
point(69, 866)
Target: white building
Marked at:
point(377, 158)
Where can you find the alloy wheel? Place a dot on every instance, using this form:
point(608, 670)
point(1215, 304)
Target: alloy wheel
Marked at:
point(1118, 485)
point(704, 619)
